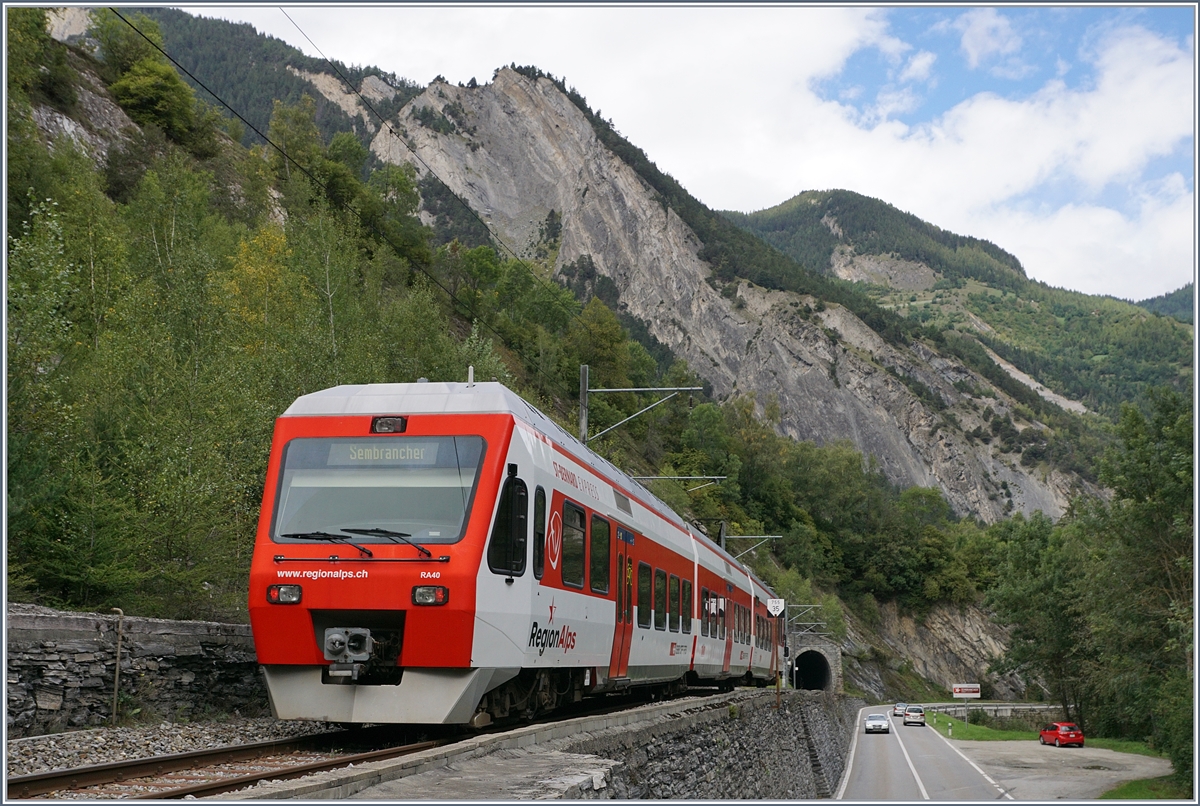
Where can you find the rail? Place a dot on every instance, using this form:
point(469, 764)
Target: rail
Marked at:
point(125, 772)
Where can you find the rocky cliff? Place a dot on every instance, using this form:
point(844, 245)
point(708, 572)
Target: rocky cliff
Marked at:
point(519, 148)
point(948, 645)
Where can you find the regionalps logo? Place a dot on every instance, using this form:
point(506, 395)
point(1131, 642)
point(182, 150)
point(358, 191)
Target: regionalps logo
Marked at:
point(544, 638)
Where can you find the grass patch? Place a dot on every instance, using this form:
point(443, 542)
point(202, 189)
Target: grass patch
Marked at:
point(1123, 746)
point(982, 733)
point(955, 728)
point(1166, 788)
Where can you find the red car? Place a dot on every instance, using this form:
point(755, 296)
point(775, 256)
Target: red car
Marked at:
point(1060, 733)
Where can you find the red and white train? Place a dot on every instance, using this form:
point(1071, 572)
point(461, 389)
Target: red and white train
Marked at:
point(445, 553)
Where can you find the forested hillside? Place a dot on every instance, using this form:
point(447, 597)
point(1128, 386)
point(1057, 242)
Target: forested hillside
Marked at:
point(171, 294)
point(1095, 350)
point(1179, 303)
point(224, 54)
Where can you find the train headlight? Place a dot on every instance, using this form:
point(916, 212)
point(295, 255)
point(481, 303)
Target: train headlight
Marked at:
point(430, 595)
point(389, 425)
point(283, 594)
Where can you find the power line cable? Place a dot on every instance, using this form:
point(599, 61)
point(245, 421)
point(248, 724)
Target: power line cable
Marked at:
point(474, 315)
point(383, 122)
point(561, 385)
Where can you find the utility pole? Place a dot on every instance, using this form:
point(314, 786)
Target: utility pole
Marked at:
point(583, 401)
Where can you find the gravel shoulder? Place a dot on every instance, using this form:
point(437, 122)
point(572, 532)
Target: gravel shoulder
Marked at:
point(1030, 771)
point(77, 748)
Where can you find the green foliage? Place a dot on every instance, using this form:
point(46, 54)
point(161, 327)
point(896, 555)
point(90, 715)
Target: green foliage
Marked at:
point(1178, 304)
point(1099, 352)
point(27, 42)
point(809, 226)
point(453, 219)
point(1101, 606)
point(249, 70)
point(125, 42)
point(1166, 788)
point(154, 95)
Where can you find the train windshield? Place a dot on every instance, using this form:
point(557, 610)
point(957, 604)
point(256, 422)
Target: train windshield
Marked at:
point(419, 487)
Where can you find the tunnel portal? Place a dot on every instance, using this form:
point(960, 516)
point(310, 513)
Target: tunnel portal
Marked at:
point(811, 671)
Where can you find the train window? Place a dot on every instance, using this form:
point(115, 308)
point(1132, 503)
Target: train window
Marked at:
point(644, 605)
point(573, 557)
point(704, 611)
point(600, 560)
point(539, 532)
point(686, 611)
point(673, 598)
point(721, 620)
point(506, 551)
point(660, 599)
point(421, 486)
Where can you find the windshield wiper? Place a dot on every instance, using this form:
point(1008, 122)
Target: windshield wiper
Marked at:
point(329, 537)
point(389, 533)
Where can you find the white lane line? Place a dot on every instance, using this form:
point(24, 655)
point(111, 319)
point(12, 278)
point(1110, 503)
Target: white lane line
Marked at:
point(920, 785)
point(986, 777)
point(850, 759)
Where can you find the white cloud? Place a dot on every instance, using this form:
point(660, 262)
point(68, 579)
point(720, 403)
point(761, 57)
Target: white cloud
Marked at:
point(919, 67)
point(986, 33)
point(1099, 251)
point(723, 99)
point(891, 102)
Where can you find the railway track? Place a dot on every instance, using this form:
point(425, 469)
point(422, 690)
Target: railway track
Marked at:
point(210, 772)
point(219, 770)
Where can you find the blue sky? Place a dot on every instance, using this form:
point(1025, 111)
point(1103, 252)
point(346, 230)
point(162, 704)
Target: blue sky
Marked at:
point(1063, 134)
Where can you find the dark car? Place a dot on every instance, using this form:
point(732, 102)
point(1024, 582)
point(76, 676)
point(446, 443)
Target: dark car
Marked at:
point(1060, 733)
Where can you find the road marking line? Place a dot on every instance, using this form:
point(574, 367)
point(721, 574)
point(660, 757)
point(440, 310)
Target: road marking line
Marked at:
point(903, 750)
point(986, 777)
point(850, 759)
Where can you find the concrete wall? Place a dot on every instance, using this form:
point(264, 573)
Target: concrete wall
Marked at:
point(59, 671)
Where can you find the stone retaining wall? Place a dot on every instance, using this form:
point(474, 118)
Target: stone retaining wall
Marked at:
point(60, 668)
point(724, 746)
point(751, 750)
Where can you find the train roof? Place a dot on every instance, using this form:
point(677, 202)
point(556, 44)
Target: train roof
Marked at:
point(482, 398)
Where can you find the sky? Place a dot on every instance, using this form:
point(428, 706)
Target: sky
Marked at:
point(1062, 134)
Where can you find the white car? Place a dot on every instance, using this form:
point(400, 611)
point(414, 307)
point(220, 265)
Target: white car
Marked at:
point(877, 723)
point(914, 715)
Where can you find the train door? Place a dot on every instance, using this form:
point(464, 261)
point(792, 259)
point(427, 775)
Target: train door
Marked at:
point(724, 615)
point(623, 628)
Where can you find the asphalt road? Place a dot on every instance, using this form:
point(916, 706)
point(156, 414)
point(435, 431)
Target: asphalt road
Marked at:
point(911, 763)
point(918, 763)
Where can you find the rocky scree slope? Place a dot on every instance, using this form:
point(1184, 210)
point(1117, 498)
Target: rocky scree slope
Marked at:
point(519, 148)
